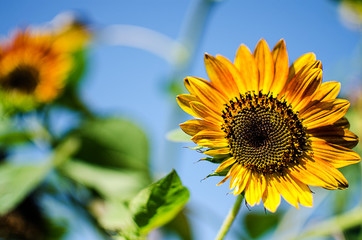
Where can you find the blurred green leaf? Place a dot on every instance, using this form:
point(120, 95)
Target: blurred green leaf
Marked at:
point(258, 224)
point(180, 225)
point(17, 181)
point(121, 184)
point(113, 142)
point(159, 203)
point(177, 135)
point(114, 215)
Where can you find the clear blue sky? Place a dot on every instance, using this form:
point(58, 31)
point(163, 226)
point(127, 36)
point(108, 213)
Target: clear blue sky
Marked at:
point(129, 82)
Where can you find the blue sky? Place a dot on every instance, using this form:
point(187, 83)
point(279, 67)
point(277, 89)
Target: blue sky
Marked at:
point(130, 82)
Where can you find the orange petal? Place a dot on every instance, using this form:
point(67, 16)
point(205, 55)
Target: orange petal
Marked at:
point(281, 67)
point(207, 94)
point(205, 113)
point(240, 83)
point(300, 63)
point(265, 64)
point(311, 83)
point(221, 77)
point(335, 135)
point(245, 63)
point(193, 126)
point(325, 113)
point(327, 91)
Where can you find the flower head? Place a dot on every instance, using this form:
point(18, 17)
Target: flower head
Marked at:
point(34, 65)
point(274, 129)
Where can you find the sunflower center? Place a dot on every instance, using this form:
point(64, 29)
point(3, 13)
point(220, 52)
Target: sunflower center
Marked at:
point(23, 79)
point(264, 133)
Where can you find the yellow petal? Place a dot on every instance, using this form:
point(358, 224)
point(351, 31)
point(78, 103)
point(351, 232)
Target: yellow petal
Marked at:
point(221, 77)
point(265, 64)
point(281, 67)
point(316, 172)
point(208, 135)
point(240, 83)
point(225, 164)
point(184, 100)
point(215, 152)
point(193, 126)
point(255, 189)
point(337, 156)
point(303, 192)
point(245, 63)
point(284, 186)
point(243, 180)
point(271, 197)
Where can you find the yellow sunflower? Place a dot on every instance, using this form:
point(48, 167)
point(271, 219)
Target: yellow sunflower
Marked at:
point(33, 69)
point(275, 129)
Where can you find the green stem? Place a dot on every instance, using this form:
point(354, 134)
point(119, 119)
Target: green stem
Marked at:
point(230, 218)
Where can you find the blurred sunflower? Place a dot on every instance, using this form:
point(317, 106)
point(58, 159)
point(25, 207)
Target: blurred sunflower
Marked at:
point(274, 129)
point(34, 65)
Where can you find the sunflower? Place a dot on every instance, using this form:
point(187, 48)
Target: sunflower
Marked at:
point(32, 69)
point(274, 129)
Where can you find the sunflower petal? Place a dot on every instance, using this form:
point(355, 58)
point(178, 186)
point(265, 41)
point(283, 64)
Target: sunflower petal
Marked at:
point(242, 182)
point(327, 91)
point(300, 63)
point(205, 113)
point(207, 94)
point(193, 126)
point(245, 63)
point(325, 113)
point(317, 172)
point(184, 100)
point(336, 155)
point(239, 82)
point(220, 76)
point(225, 164)
point(281, 67)
point(255, 189)
point(265, 63)
point(285, 187)
point(271, 197)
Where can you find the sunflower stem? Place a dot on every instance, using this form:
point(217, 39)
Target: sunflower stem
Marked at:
point(230, 218)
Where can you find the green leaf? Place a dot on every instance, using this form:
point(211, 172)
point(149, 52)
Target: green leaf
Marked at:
point(121, 184)
point(113, 142)
point(180, 225)
point(259, 223)
point(159, 203)
point(17, 181)
point(114, 215)
point(177, 135)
